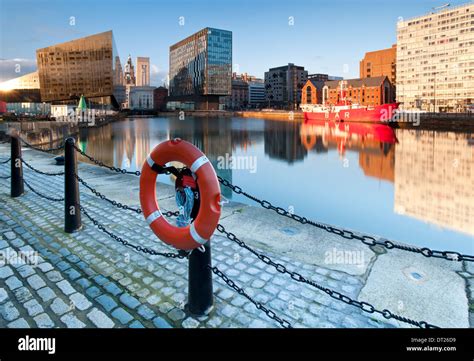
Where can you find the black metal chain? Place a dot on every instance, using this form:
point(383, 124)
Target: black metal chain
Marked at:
point(47, 150)
point(118, 204)
point(101, 164)
point(364, 306)
point(5, 177)
point(5, 161)
point(271, 314)
point(347, 234)
point(41, 194)
point(157, 168)
point(101, 196)
point(39, 171)
point(101, 227)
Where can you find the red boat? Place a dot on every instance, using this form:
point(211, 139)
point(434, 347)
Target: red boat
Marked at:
point(346, 111)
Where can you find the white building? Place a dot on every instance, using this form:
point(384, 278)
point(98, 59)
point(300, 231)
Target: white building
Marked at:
point(140, 98)
point(435, 60)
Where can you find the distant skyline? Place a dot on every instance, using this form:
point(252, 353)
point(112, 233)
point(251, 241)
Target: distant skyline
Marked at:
point(324, 36)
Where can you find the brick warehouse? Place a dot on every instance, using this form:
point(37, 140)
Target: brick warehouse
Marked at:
point(380, 63)
point(366, 91)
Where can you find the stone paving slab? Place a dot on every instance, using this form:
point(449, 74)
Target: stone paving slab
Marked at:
point(87, 279)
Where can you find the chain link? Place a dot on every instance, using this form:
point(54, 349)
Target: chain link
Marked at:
point(118, 204)
point(39, 171)
point(364, 306)
point(101, 196)
point(271, 314)
point(41, 194)
point(347, 234)
point(47, 150)
point(101, 164)
point(101, 227)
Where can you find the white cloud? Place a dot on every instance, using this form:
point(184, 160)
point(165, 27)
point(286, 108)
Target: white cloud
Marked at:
point(158, 76)
point(14, 68)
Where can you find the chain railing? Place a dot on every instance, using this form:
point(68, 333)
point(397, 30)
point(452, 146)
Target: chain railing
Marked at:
point(364, 306)
point(347, 234)
point(39, 171)
point(102, 164)
point(49, 198)
point(271, 314)
point(119, 204)
point(47, 150)
point(179, 255)
point(126, 243)
point(281, 268)
point(5, 161)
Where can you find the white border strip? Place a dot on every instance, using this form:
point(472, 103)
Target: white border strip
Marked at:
point(153, 216)
point(198, 163)
point(150, 161)
point(196, 236)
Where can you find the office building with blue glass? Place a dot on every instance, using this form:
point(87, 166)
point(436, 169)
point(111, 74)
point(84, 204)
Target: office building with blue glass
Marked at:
point(201, 70)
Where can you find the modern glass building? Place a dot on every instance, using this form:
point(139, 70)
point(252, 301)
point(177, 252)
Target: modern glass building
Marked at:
point(23, 89)
point(89, 66)
point(201, 67)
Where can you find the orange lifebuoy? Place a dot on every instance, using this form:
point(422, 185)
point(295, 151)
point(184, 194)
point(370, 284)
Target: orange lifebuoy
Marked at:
point(198, 232)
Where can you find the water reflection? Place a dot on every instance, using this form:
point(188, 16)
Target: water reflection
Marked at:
point(435, 178)
point(412, 185)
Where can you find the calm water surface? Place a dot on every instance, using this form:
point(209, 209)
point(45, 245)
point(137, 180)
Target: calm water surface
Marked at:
point(413, 186)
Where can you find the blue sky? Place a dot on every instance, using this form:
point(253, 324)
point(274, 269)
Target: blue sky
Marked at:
point(325, 35)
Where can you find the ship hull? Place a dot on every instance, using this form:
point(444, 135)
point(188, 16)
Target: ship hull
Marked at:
point(379, 114)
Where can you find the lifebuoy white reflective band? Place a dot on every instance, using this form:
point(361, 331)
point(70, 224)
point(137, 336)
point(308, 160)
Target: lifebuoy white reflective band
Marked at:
point(153, 216)
point(198, 163)
point(196, 236)
point(150, 161)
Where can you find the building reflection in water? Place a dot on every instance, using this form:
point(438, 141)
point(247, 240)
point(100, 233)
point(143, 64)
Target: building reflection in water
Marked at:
point(375, 144)
point(282, 141)
point(434, 179)
point(432, 172)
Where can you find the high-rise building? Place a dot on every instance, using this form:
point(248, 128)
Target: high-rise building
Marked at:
point(201, 68)
point(89, 66)
point(283, 85)
point(380, 63)
point(435, 60)
point(143, 71)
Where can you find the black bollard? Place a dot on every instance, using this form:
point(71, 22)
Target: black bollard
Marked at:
point(200, 299)
point(72, 212)
point(17, 188)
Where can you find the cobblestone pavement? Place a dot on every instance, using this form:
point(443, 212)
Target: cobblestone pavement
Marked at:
point(87, 279)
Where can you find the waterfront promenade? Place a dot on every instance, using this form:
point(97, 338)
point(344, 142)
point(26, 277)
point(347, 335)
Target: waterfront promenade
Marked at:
point(87, 279)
